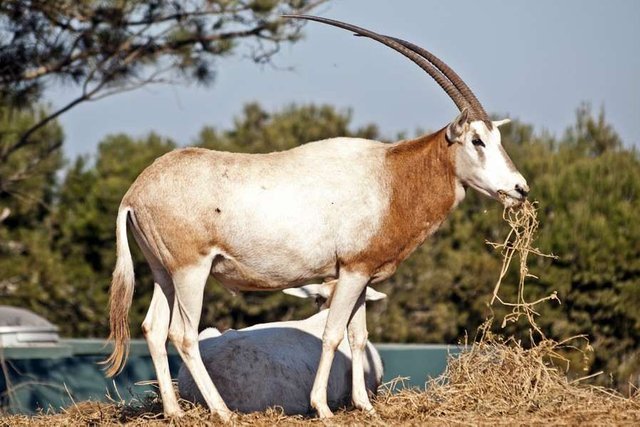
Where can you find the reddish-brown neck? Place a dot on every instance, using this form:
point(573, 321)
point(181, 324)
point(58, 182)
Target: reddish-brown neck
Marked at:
point(421, 181)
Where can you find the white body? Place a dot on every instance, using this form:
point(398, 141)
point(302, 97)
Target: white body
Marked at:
point(274, 364)
point(303, 226)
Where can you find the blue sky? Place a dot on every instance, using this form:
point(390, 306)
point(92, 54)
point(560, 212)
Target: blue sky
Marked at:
point(531, 60)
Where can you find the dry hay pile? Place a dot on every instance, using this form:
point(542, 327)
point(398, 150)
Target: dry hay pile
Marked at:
point(494, 381)
point(497, 381)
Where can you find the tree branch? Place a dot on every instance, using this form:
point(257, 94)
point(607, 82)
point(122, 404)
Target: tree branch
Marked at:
point(107, 67)
point(24, 139)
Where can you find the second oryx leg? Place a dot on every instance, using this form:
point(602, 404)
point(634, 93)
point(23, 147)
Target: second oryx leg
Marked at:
point(348, 290)
point(357, 333)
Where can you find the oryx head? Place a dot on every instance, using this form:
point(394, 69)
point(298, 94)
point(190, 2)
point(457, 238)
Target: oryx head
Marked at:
point(480, 160)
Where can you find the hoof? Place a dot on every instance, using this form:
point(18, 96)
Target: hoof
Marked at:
point(323, 411)
point(225, 416)
point(365, 406)
point(325, 414)
point(179, 413)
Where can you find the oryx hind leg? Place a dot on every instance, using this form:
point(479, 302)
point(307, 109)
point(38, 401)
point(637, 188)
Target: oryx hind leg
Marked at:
point(189, 283)
point(357, 333)
point(156, 330)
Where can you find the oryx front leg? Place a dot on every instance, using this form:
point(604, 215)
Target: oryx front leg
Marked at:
point(348, 290)
point(189, 287)
point(357, 333)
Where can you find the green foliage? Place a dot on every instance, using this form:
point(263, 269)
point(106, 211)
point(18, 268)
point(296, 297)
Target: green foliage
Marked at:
point(258, 131)
point(27, 195)
point(26, 187)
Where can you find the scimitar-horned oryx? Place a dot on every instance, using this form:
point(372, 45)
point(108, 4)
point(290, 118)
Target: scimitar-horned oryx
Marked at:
point(343, 208)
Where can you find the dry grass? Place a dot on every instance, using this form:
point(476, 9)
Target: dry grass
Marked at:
point(494, 382)
point(523, 226)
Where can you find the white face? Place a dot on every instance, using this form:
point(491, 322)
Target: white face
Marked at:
point(483, 164)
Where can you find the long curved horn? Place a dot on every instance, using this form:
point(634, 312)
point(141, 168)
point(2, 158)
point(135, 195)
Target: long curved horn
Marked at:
point(444, 82)
point(478, 112)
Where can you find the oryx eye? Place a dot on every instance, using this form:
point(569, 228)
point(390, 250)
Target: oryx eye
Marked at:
point(478, 142)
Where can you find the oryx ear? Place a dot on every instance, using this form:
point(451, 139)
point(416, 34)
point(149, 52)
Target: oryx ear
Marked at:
point(373, 295)
point(308, 291)
point(311, 291)
point(209, 333)
point(498, 123)
point(458, 126)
